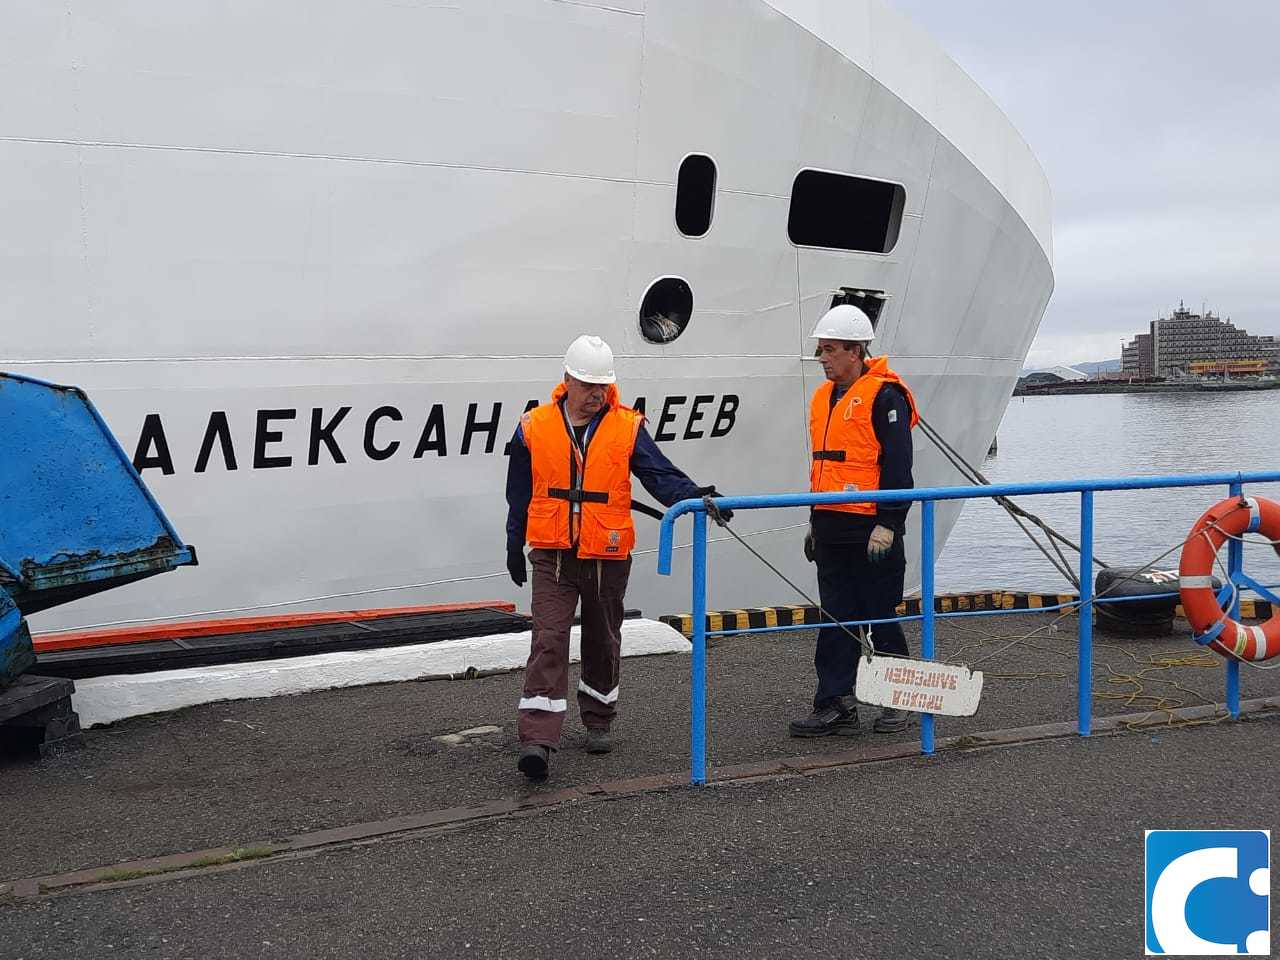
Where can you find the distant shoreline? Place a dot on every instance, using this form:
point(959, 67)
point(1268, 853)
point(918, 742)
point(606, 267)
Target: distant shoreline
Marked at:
point(1103, 386)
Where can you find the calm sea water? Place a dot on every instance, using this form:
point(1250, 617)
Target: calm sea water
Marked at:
point(1060, 438)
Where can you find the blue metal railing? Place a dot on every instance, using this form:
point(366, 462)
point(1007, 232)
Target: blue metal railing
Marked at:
point(928, 497)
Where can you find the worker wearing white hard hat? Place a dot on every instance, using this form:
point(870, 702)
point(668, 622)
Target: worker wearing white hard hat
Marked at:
point(844, 322)
point(860, 423)
point(569, 498)
point(590, 360)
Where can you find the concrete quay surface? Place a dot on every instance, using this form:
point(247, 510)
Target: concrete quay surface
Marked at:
point(855, 847)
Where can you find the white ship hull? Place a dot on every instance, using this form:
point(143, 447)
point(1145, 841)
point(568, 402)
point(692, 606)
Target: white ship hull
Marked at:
point(220, 220)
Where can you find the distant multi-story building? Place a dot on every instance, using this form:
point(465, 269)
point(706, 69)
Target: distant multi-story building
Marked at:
point(1136, 358)
point(1191, 343)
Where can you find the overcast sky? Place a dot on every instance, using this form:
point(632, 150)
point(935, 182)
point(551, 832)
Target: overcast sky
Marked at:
point(1158, 125)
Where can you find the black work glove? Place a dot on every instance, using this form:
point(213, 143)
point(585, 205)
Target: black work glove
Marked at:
point(725, 513)
point(516, 566)
point(810, 553)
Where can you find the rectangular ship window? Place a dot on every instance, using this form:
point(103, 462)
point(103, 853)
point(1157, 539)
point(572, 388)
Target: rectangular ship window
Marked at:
point(695, 194)
point(844, 212)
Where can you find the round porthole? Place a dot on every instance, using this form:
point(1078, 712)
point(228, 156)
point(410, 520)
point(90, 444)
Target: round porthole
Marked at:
point(665, 310)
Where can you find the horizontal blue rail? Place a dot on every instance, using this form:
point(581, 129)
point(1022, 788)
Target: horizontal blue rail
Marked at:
point(765, 501)
point(928, 497)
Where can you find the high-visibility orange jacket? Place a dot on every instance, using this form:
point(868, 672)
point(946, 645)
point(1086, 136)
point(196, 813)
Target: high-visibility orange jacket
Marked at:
point(576, 502)
point(846, 452)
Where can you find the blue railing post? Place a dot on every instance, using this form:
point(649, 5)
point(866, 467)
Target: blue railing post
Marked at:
point(1084, 719)
point(1235, 564)
point(698, 680)
point(926, 611)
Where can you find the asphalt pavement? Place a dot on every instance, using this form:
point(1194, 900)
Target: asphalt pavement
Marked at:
point(1031, 850)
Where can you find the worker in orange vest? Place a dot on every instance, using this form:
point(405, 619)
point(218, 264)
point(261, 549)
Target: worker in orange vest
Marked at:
point(860, 424)
point(569, 498)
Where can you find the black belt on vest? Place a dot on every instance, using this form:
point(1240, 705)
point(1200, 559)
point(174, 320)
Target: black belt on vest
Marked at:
point(829, 455)
point(578, 496)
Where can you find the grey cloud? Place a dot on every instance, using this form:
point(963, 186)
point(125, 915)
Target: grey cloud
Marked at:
point(1158, 125)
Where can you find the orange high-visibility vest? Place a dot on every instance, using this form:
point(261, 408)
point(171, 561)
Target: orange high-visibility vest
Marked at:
point(846, 453)
point(587, 504)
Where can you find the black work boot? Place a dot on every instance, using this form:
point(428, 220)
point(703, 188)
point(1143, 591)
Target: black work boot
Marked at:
point(891, 721)
point(533, 762)
point(599, 740)
point(837, 719)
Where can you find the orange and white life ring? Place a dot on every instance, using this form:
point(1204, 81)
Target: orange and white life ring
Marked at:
point(1212, 625)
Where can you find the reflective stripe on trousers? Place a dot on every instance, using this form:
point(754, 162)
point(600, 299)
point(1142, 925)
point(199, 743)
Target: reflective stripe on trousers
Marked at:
point(560, 583)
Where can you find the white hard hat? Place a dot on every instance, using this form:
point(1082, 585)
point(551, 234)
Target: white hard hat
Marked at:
point(590, 360)
point(845, 322)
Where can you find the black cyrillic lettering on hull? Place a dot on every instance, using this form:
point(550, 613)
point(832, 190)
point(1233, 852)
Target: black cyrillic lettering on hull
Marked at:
point(371, 448)
point(489, 428)
point(264, 436)
point(152, 435)
point(727, 416)
point(433, 435)
point(667, 416)
point(695, 414)
point(380, 440)
point(323, 433)
point(218, 429)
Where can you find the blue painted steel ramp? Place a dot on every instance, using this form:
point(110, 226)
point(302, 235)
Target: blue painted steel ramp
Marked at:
point(75, 518)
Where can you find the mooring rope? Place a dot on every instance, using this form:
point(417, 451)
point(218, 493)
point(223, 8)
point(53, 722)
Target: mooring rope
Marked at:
point(1137, 695)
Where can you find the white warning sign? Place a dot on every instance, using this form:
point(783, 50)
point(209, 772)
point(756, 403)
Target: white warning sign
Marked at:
point(920, 686)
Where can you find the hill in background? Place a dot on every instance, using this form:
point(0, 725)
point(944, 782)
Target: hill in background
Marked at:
point(1099, 366)
point(1089, 369)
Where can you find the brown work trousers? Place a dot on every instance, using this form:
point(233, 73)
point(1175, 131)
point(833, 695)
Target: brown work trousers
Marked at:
point(560, 580)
